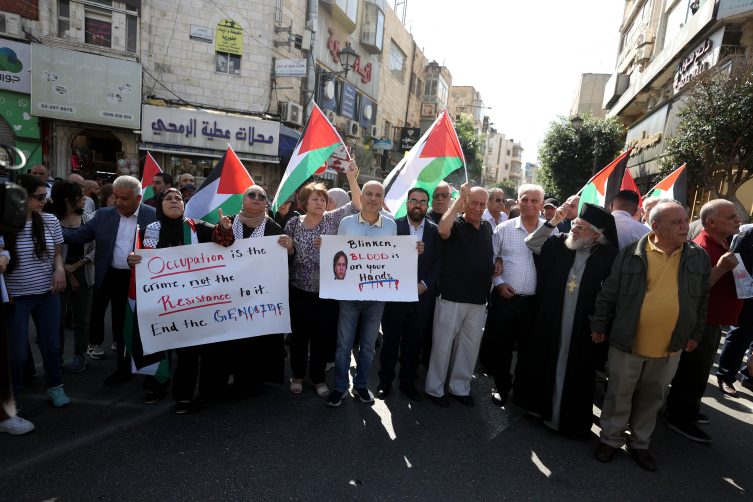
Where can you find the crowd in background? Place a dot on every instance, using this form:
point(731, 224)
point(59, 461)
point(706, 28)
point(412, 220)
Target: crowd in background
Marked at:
point(632, 294)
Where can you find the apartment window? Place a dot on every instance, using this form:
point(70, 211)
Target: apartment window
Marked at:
point(436, 89)
point(98, 27)
point(508, 153)
point(397, 62)
point(457, 117)
point(132, 33)
point(228, 63)
point(372, 28)
point(64, 18)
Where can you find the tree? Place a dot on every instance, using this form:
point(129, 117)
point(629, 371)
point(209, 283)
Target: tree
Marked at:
point(567, 163)
point(511, 191)
point(472, 145)
point(715, 136)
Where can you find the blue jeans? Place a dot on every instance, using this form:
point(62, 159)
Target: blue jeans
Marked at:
point(346, 333)
point(738, 340)
point(46, 308)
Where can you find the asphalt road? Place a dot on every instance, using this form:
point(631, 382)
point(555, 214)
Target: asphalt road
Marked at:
point(109, 445)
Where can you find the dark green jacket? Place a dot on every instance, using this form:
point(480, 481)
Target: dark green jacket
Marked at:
point(621, 298)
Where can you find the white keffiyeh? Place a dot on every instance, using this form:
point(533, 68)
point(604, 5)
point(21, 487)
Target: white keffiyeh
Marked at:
point(238, 229)
point(151, 235)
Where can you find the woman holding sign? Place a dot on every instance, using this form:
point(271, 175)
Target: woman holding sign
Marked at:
point(306, 232)
point(171, 229)
point(254, 360)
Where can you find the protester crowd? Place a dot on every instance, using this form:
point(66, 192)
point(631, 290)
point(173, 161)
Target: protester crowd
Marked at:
point(576, 290)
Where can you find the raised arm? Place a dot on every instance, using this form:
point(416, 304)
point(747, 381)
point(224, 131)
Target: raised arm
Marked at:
point(537, 239)
point(445, 224)
point(355, 191)
point(87, 232)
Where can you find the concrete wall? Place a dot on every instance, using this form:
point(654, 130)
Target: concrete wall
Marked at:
point(589, 95)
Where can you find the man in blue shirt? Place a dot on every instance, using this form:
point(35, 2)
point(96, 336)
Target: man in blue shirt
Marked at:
point(368, 223)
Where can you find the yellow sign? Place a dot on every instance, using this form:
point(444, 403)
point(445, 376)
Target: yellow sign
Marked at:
point(229, 37)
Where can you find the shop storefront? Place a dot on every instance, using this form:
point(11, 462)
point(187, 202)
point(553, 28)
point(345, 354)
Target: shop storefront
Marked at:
point(93, 104)
point(18, 127)
point(190, 140)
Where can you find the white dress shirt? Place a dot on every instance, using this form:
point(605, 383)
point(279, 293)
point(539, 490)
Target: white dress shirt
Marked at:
point(517, 260)
point(125, 240)
point(88, 205)
point(418, 232)
point(488, 217)
point(628, 229)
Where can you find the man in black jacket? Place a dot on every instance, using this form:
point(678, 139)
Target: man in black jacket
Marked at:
point(404, 323)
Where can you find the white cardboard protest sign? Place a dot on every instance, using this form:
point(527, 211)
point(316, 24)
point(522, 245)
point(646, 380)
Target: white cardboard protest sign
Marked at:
point(206, 293)
point(368, 268)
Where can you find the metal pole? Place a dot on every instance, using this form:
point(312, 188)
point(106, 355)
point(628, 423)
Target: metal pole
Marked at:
point(312, 20)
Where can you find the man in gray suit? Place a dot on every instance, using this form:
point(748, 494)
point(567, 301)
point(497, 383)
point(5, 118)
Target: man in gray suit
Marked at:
point(114, 229)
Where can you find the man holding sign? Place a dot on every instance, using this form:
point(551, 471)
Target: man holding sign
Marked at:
point(404, 323)
point(368, 223)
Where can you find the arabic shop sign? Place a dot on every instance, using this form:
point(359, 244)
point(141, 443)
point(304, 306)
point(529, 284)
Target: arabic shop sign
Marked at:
point(201, 34)
point(15, 61)
point(382, 144)
point(202, 129)
point(334, 47)
point(229, 37)
point(16, 110)
point(348, 105)
point(409, 136)
point(638, 145)
point(290, 67)
point(72, 85)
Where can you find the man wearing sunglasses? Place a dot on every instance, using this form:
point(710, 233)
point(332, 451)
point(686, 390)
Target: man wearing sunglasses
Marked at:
point(440, 202)
point(404, 323)
point(494, 213)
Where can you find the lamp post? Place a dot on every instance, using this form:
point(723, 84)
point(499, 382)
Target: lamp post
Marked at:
point(577, 123)
point(347, 57)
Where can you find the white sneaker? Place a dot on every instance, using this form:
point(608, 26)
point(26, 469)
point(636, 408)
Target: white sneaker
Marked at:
point(16, 426)
point(98, 352)
point(89, 350)
point(329, 366)
point(114, 346)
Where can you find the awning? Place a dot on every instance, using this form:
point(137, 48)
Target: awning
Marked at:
point(287, 142)
point(329, 174)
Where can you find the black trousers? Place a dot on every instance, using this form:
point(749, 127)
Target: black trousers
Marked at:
point(112, 291)
point(428, 333)
point(403, 329)
point(516, 314)
point(309, 323)
point(691, 378)
point(186, 375)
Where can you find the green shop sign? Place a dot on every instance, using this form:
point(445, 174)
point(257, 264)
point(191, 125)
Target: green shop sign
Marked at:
point(15, 108)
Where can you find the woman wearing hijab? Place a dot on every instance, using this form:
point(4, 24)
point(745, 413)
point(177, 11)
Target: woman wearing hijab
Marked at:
point(254, 360)
point(315, 320)
point(337, 198)
point(171, 229)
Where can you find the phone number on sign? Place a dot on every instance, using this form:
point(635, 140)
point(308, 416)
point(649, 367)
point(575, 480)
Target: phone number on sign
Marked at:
point(114, 115)
point(56, 108)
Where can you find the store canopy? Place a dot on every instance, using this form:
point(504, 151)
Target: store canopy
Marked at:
point(288, 139)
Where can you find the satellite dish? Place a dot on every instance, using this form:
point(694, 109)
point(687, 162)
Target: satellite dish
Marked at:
point(367, 112)
point(329, 90)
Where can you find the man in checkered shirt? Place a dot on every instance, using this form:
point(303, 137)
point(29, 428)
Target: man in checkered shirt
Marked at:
point(513, 300)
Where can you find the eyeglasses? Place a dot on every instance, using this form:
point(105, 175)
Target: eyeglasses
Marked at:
point(39, 197)
point(442, 195)
point(581, 228)
point(253, 195)
point(415, 202)
point(498, 200)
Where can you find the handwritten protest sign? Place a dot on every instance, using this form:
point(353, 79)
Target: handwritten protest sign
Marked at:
point(205, 293)
point(368, 268)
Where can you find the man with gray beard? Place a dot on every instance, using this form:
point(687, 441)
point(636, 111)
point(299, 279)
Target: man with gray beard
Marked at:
point(555, 380)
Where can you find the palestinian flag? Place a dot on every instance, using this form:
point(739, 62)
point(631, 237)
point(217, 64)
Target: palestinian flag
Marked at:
point(316, 144)
point(601, 189)
point(628, 183)
point(437, 154)
point(156, 364)
point(674, 186)
point(223, 189)
point(150, 169)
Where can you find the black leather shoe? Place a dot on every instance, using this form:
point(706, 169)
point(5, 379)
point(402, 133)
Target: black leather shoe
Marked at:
point(383, 389)
point(117, 378)
point(410, 391)
point(604, 452)
point(465, 400)
point(152, 397)
point(534, 420)
point(499, 399)
point(643, 458)
point(441, 401)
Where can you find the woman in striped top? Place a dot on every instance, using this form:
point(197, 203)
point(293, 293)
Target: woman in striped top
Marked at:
point(34, 277)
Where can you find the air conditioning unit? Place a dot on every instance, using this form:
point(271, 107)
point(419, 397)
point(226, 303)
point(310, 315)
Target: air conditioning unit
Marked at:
point(331, 116)
point(373, 131)
point(644, 53)
point(291, 113)
point(640, 40)
point(10, 25)
point(353, 129)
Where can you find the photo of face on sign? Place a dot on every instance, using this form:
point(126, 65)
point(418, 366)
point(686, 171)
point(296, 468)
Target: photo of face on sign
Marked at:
point(340, 265)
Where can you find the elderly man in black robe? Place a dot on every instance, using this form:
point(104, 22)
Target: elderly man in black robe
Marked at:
point(555, 383)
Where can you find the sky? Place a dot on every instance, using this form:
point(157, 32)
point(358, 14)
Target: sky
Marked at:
point(525, 57)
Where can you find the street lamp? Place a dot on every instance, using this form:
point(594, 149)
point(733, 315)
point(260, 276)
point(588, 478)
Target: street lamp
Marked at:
point(348, 57)
point(577, 123)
